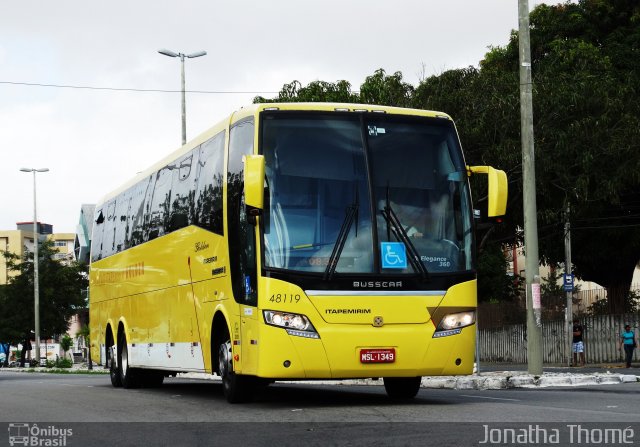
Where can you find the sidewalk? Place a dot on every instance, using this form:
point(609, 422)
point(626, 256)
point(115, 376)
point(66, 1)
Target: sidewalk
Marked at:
point(75, 368)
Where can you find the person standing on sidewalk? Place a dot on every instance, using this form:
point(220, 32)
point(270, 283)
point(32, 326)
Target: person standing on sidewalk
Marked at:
point(578, 343)
point(628, 340)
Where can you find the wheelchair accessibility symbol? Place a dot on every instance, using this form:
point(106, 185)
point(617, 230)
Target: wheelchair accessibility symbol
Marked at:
point(394, 255)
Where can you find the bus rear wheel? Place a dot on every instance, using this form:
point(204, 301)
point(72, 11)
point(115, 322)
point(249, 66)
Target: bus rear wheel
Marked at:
point(236, 388)
point(114, 372)
point(402, 387)
point(128, 376)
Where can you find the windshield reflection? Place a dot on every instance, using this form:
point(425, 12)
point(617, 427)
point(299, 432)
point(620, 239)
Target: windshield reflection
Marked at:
point(319, 207)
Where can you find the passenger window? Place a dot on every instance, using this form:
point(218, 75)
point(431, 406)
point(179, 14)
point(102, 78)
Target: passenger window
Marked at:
point(182, 202)
point(108, 237)
point(96, 236)
point(136, 213)
point(121, 220)
point(207, 211)
point(158, 208)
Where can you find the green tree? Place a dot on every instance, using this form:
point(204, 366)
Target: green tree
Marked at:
point(588, 79)
point(494, 285)
point(60, 295)
point(66, 342)
point(316, 91)
point(388, 90)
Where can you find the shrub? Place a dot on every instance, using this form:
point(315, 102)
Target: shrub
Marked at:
point(63, 363)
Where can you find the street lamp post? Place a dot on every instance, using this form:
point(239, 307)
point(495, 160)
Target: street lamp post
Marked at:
point(184, 106)
point(36, 285)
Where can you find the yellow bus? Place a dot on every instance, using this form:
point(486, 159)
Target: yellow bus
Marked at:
point(293, 241)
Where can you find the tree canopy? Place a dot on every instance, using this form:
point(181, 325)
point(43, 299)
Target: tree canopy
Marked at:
point(586, 68)
point(60, 295)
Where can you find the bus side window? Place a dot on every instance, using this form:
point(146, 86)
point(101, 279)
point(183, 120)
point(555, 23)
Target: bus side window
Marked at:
point(207, 209)
point(159, 205)
point(181, 187)
point(121, 220)
point(136, 213)
point(96, 236)
point(108, 236)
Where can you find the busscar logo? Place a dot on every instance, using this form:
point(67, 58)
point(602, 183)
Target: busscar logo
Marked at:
point(32, 435)
point(377, 284)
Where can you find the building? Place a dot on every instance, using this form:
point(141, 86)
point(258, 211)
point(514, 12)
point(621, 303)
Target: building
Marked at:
point(64, 244)
point(17, 242)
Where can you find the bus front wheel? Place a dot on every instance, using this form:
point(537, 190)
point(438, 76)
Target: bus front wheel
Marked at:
point(236, 388)
point(402, 387)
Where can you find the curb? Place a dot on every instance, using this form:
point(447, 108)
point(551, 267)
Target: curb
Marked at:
point(505, 380)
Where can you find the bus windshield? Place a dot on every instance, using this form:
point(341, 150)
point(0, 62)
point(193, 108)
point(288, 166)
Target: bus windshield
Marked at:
point(364, 194)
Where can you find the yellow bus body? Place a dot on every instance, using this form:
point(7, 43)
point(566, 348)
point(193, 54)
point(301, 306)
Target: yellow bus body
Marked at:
point(161, 294)
point(167, 295)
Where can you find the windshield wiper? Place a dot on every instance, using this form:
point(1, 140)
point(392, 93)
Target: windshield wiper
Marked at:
point(350, 216)
point(414, 257)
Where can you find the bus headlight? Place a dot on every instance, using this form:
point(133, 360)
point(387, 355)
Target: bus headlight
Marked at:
point(457, 320)
point(294, 324)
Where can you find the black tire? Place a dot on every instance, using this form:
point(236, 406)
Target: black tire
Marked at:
point(402, 387)
point(236, 388)
point(128, 376)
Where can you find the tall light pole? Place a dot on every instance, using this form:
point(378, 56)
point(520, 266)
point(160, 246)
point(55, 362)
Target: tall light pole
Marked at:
point(36, 285)
point(184, 105)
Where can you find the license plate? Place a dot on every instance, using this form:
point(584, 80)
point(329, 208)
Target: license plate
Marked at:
point(377, 355)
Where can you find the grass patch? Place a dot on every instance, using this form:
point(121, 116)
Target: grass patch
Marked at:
point(66, 371)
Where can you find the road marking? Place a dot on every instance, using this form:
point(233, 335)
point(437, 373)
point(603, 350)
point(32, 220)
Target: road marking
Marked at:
point(492, 398)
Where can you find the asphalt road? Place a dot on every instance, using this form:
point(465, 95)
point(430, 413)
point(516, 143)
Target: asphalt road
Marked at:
point(194, 412)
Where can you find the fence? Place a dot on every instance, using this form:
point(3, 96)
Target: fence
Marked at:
point(601, 337)
point(494, 315)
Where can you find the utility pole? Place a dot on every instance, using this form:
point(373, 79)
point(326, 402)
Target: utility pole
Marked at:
point(568, 273)
point(534, 308)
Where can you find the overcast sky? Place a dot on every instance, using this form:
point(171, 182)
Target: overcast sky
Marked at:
point(94, 140)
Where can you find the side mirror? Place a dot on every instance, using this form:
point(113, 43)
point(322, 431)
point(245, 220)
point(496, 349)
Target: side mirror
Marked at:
point(254, 181)
point(498, 189)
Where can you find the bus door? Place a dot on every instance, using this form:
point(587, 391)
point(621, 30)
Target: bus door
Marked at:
point(242, 251)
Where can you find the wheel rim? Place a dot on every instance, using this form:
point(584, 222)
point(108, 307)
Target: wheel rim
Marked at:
point(224, 359)
point(124, 359)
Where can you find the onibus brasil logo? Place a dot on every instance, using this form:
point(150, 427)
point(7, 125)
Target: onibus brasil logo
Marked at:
point(32, 435)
